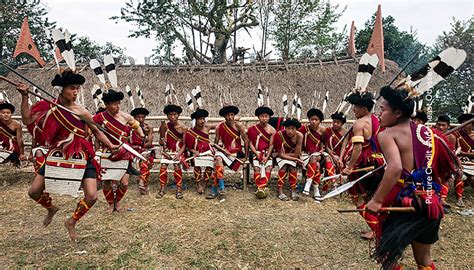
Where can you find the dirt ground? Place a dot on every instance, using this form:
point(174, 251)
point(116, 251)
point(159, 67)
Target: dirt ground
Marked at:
point(241, 232)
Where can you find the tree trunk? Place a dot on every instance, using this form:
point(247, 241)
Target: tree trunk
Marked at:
point(220, 45)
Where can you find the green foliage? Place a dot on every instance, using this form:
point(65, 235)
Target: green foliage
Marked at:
point(399, 46)
point(450, 96)
point(86, 49)
point(201, 28)
point(306, 29)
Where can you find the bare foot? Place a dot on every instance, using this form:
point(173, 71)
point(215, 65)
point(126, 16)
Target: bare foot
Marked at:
point(111, 208)
point(368, 235)
point(70, 225)
point(49, 216)
point(200, 188)
point(118, 207)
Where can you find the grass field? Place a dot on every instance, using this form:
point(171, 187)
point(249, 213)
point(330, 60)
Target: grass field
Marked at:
point(241, 232)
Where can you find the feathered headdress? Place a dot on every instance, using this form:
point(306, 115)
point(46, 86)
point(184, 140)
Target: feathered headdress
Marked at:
point(170, 106)
point(359, 95)
point(112, 83)
point(226, 102)
point(196, 97)
point(261, 109)
point(427, 77)
point(63, 42)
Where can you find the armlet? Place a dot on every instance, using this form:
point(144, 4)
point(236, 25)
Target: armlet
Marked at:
point(135, 125)
point(357, 139)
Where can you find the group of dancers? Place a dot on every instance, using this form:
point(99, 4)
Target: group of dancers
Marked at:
point(392, 159)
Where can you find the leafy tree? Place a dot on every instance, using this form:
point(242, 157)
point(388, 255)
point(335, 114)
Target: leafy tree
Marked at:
point(306, 28)
point(451, 95)
point(86, 49)
point(202, 28)
point(11, 18)
point(400, 46)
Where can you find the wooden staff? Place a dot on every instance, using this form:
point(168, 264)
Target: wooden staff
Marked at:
point(459, 127)
point(383, 209)
point(363, 169)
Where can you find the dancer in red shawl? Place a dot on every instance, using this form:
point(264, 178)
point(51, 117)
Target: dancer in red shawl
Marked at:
point(288, 143)
point(334, 135)
point(171, 137)
point(11, 137)
point(416, 158)
point(66, 133)
point(313, 145)
point(120, 124)
point(230, 133)
point(196, 140)
point(361, 150)
point(260, 137)
point(39, 147)
point(465, 146)
point(443, 123)
point(142, 145)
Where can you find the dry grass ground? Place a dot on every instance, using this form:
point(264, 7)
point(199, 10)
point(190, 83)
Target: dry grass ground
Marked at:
point(241, 232)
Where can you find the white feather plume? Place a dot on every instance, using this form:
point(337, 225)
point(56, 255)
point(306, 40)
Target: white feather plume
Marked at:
point(111, 70)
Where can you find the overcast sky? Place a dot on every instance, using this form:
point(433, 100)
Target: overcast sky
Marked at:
point(91, 18)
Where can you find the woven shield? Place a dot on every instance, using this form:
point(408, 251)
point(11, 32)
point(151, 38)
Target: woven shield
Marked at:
point(64, 176)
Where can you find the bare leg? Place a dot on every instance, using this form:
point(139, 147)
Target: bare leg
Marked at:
point(90, 197)
point(36, 192)
point(422, 254)
point(122, 188)
point(109, 195)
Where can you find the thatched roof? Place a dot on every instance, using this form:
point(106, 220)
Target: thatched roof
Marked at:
point(303, 77)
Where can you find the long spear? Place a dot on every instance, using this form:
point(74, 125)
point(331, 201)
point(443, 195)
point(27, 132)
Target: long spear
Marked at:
point(348, 185)
point(125, 145)
point(459, 127)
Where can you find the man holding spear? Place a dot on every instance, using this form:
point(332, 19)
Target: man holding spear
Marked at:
point(417, 159)
point(66, 130)
point(415, 162)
